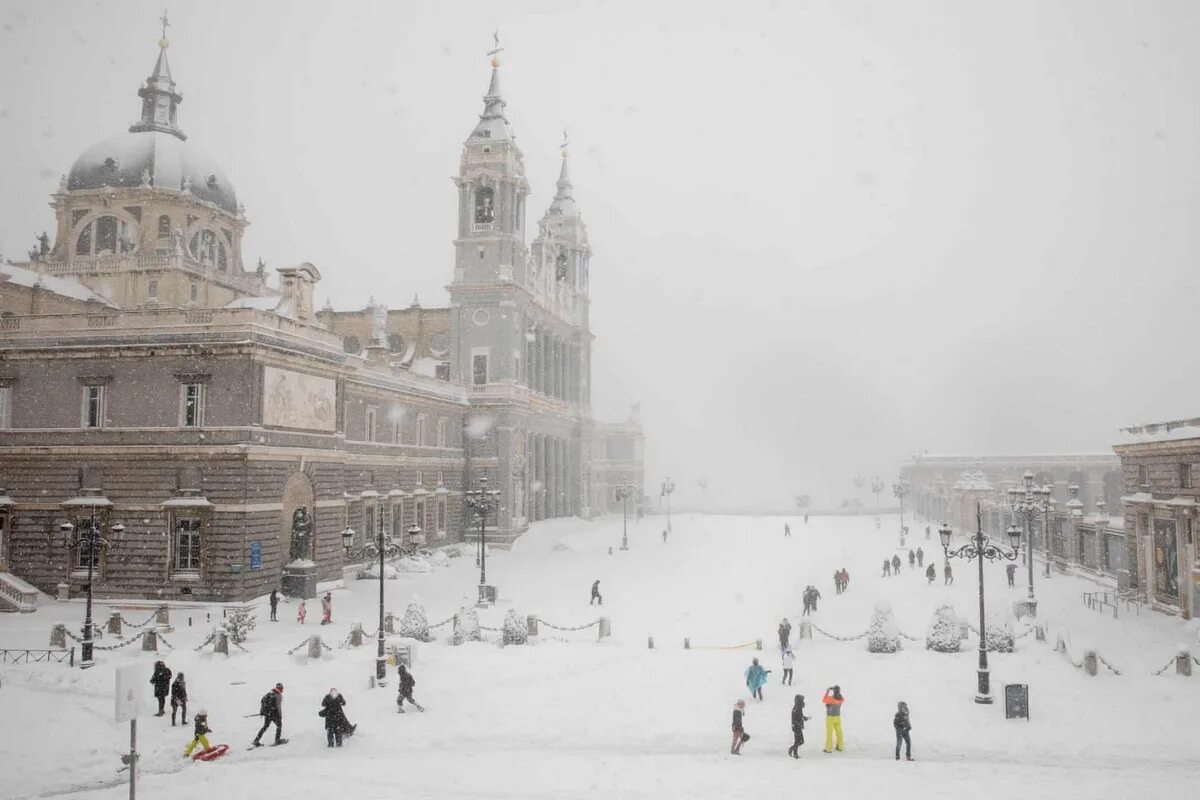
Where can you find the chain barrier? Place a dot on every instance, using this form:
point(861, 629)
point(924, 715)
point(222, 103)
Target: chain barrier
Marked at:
point(491, 630)
point(824, 632)
point(724, 646)
point(446, 621)
point(1020, 636)
point(297, 647)
point(1107, 665)
point(206, 642)
point(163, 639)
point(327, 647)
point(239, 647)
point(906, 636)
point(1166, 667)
point(576, 628)
point(153, 616)
point(116, 646)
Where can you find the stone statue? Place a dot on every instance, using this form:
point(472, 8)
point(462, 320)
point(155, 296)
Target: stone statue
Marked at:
point(379, 316)
point(43, 244)
point(260, 269)
point(62, 183)
point(146, 178)
point(302, 534)
point(187, 183)
point(177, 241)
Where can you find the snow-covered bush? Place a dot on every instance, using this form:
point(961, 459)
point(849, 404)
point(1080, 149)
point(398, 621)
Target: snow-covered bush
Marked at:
point(942, 635)
point(466, 626)
point(883, 636)
point(515, 629)
point(999, 637)
point(371, 571)
point(413, 564)
point(439, 558)
point(415, 624)
point(239, 623)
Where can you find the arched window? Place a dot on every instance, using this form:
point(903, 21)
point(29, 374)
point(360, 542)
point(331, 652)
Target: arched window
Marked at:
point(106, 236)
point(485, 205)
point(164, 227)
point(352, 345)
point(83, 245)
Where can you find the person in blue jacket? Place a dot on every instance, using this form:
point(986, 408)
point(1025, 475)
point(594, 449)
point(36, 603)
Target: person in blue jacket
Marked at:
point(756, 679)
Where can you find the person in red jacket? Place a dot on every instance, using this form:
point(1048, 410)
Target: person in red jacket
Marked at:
point(833, 717)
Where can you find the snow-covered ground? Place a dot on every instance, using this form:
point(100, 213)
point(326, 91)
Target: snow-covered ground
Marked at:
point(570, 716)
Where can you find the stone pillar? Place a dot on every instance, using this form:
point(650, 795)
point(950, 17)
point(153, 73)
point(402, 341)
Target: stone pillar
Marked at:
point(58, 636)
point(356, 635)
point(1090, 662)
point(605, 627)
point(531, 625)
point(222, 643)
point(314, 647)
point(114, 623)
point(389, 622)
point(162, 617)
point(1183, 663)
point(150, 640)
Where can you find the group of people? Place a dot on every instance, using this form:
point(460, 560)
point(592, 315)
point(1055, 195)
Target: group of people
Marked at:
point(833, 701)
point(302, 609)
point(891, 566)
point(841, 579)
point(811, 596)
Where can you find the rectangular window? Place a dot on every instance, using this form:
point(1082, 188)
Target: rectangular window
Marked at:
point(1185, 476)
point(441, 432)
point(442, 372)
point(5, 407)
point(372, 413)
point(193, 292)
point(441, 516)
point(1141, 475)
point(191, 405)
point(397, 521)
point(517, 369)
point(152, 291)
point(420, 515)
point(479, 369)
point(368, 523)
point(93, 406)
point(420, 432)
point(420, 479)
point(187, 544)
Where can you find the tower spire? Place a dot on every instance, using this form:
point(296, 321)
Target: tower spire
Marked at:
point(492, 122)
point(563, 203)
point(160, 101)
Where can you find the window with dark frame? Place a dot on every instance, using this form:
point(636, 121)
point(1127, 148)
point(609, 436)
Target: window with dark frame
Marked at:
point(5, 407)
point(93, 406)
point(479, 369)
point(1185, 476)
point(192, 405)
point(187, 543)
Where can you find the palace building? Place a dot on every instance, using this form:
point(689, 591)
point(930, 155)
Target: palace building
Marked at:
point(149, 378)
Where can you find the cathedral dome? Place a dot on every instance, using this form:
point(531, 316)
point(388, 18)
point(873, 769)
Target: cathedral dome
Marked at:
point(162, 159)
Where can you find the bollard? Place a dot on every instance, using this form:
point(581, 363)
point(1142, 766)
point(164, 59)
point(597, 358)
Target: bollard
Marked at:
point(389, 623)
point(162, 617)
point(605, 627)
point(963, 629)
point(58, 636)
point(687, 644)
point(222, 643)
point(64, 591)
point(610, 551)
point(1060, 645)
point(114, 623)
point(149, 641)
point(356, 635)
point(805, 629)
point(651, 642)
point(314, 647)
point(189, 622)
point(1039, 633)
point(1090, 663)
point(531, 625)
point(1183, 663)
point(758, 644)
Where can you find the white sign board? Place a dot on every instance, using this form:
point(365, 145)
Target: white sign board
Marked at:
point(129, 692)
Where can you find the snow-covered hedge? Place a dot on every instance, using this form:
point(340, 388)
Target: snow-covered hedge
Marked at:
point(1000, 636)
point(942, 635)
point(466, 626)
point(239, 623)
point(515, 629)
point(883, 635)
point(415, 624)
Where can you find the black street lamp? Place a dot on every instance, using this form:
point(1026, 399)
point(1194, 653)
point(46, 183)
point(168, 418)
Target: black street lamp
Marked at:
point(384, 547)
point(900, 490)
point(668, 488)
point(1026, 504)
point(623, 492)
point(482, 502)
point(877, 488)
point(90, 538)
point(979, 549)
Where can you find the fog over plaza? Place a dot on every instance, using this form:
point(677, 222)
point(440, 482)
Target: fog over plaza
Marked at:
point(827, 235)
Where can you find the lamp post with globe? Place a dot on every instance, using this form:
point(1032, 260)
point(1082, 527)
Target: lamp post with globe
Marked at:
point(89, 538)
point(383, 548)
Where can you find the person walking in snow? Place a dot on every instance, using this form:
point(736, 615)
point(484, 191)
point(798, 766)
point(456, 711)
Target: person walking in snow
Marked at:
point(949, 573)
point(179, 698)
point(927, 532)
point(756, 679)
point(931, 573)
point(837, 582)
point(739, 731)
point(327, 609)
point(407, 682)
point(199, 733)
point(912, 558)
point(336, 725)
point(920, 557)
point(270, 708)
point(274, 600)
point(301, 613)
point(789, 660)
point(833, 701)
point(664, 535)
point(813, 596)
point(787, 530)
point(845, 579)
point(806, 519)
point(902, 725)
point(807, 604)
point(887, 568)
point(596, 598)
point(1011, 570)
point(161, 679)
point(896, 564)
point(785, 634)
point(798, 720)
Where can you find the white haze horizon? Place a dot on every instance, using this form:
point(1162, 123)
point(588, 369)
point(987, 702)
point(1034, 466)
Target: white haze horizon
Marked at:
point(827, 235)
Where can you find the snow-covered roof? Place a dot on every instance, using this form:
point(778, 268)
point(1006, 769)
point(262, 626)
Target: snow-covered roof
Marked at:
point(64, 287)
point(1161, 432)
point(270, 302)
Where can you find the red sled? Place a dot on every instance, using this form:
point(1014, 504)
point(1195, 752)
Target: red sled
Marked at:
point(212, 753)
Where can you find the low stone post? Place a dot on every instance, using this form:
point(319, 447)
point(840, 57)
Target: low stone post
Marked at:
point(150, 641)
point(1183, 663)
point(1039, 633)
point(964, 629)
point(650, 642)
point(162, 617)
point(314, 647)
point(1060, 645)
point(389, 622)
point(222, 643)
point(687, 644)
point(114, 623)
point(758, 644)
point(805, 629)
point(64, 591)
point(1090, 662)
point(605, 627)
point(356, 635)
point(531, 625)
point(58, 636)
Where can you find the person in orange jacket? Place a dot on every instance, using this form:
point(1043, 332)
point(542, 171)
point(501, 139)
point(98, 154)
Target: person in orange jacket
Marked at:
point(833, 717)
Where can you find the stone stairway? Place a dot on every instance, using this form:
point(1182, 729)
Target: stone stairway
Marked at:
point(17, 595)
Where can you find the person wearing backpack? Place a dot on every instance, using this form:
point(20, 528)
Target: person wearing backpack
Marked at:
point(179, 698)
point(407, 682)
point(270, 708)
point(161, 680)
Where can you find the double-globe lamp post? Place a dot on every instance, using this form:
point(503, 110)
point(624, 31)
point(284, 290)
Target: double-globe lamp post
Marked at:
point(384, 547)
point(900, 490)
point(668, 488)
point(1026, 504)
point(482, 502)
point(623, 492)
point(90, 538)
point(981, 548)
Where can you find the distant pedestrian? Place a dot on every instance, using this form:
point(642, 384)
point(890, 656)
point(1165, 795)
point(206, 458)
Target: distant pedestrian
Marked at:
point(596, 598)
point(920, 557)
point(927, 532)
point(845, 579)
point(807, 597)
point(740, 736)
point(787, 530)
point(327, 609)
point(785, 634)
point(199, 733)
point(407, 684)
point(837, 582)
point(179, 698)
point(931, 573)
point(756, 679)
point(1011, 570)
point(664, 535)
point(912, 558)
point(640, 513)
point(301, 613)
point(161, 680)
point(833, 701)
point(806, 519)
point(274, 600)
point(896, 564)
point(813, 597)
point(270, 708)
point(336, 725)
point(949, 573)
point(887, 568)
point(798, 720)
point(902, 725)
point(789, 659)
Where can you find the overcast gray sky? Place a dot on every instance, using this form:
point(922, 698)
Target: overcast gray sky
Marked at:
point(827, 234)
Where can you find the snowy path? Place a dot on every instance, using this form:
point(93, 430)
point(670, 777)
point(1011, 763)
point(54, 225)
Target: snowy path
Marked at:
point(570, 717)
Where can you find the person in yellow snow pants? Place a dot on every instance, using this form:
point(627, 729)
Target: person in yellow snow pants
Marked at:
point(833, 717)
point(833, 727)
point(202, 730)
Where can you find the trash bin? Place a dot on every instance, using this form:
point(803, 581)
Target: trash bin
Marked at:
point(1016, 700)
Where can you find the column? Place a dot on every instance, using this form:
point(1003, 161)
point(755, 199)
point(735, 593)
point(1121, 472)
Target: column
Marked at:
point(551, 476)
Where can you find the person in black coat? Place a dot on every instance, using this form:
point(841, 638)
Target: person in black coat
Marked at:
point(274, 600)
point(798, 720)
point(407, 682)
point(270, 708)
point(902, 725)
point(336, 725)
point(161, 679)
point(179, 698)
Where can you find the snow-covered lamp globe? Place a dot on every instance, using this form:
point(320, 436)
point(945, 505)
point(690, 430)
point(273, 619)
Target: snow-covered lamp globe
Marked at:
point(347, 537)
point(1014, 538)
point(944, 533)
